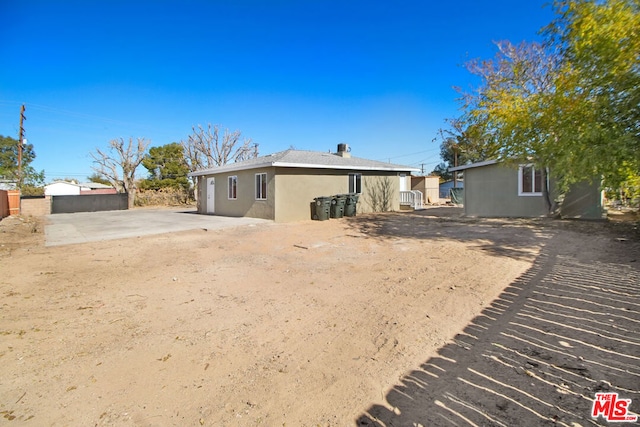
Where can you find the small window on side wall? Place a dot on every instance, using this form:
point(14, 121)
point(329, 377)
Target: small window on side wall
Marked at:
point(529, 181)
point(355, 183)
point(233, 187)
point(261, 186)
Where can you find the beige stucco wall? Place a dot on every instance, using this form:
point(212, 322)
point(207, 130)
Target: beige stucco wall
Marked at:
point(292, 190)
point(297, 188)
point(429, 186)
point(372, 186)
point(492, 191)
point(245, 204)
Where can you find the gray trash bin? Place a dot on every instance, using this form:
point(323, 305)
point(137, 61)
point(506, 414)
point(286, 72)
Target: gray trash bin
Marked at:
point(321, 208)
point(337, 206)
point(351, 201)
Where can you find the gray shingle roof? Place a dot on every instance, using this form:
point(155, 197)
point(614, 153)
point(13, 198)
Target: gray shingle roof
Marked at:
point(473, 165)
point(95, 185)
point(309, 160)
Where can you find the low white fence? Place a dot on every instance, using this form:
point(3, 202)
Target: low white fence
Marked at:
point(411, 198)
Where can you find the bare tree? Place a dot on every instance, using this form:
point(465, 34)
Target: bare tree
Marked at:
point(206, 148)
point(119, 162)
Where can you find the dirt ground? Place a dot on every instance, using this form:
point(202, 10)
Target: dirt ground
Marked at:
point(421, 318)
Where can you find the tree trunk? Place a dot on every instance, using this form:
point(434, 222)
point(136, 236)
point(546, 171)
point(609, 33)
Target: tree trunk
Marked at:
point(131, 197)
point(545, 192)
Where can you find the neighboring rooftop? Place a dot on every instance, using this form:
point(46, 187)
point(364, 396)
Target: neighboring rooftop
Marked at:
point(473, 165)
point(307, 159)
point(91, 185)
point(95, 185)
point(6, 184)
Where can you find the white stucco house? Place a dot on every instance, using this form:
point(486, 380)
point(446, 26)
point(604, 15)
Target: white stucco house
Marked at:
point(66, 188)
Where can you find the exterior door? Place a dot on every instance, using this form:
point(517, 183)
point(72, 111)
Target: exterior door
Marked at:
point(211, 195)
point(403, 182)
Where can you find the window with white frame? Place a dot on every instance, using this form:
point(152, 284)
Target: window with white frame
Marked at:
point(232, 187)
point(355, 183)
point(529, 181)
point(261, 186)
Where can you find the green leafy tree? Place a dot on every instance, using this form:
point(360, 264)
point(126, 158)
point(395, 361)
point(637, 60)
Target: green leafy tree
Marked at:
point(442, 170)
point(96, 177)
point(66, 179)
point(9, 163)
point(512, 107)
point(569, 104)
point(597, 94)
point(167, 168)
point(467, 142)
point(460, 144)
point(31, 190)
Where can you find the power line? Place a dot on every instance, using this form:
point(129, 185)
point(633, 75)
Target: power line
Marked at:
point(76, 114)
point(85, 119)
point(407, 155)
point(68, 173)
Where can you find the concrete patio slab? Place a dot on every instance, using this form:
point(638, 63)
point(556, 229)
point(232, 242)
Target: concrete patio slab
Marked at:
point(82, 227)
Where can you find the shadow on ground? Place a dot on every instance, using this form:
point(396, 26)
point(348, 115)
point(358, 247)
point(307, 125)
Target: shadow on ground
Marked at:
point(567, 328)
point(515, 238)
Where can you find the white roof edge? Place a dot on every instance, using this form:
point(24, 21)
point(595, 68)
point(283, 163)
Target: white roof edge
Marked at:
point(392, 168)
point(64, 182)
point(231, 168)
point(473, 165)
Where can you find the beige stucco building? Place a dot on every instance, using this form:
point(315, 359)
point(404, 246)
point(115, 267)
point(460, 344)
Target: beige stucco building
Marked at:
point(282, 186)
point(429, 186)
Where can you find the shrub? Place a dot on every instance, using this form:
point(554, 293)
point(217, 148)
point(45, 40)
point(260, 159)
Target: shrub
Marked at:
point(163, 197)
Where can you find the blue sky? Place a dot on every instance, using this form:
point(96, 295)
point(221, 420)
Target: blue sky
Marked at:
point(376, 75)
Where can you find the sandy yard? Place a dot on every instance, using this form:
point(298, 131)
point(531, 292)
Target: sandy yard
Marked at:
point(316, 323)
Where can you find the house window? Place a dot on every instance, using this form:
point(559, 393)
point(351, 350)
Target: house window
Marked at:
point(529, 181)
point(233, 187)
point(355, 183)
point(261, 186)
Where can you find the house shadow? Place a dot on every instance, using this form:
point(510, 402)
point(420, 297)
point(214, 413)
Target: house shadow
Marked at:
point(565, 329)
point(514, 238)
point(193, 211)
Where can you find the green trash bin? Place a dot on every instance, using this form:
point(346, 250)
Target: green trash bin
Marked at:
point(351, 201)
point(321, 208)
point(337, 205)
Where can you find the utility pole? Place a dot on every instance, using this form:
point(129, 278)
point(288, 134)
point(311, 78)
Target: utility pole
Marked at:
point(20, 139)
point(422, 168)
